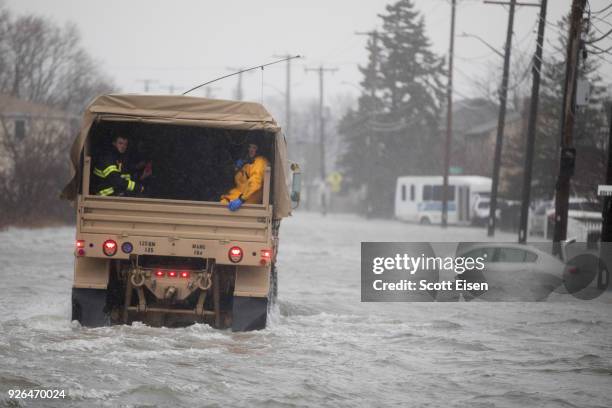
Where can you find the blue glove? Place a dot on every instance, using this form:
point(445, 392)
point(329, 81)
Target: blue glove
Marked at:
point(234, 205)
point(239, 163)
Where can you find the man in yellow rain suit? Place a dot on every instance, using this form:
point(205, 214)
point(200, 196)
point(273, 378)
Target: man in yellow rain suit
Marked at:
point(249, 179)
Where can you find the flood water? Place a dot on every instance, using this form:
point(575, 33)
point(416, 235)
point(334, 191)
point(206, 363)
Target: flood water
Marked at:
point(322, 347)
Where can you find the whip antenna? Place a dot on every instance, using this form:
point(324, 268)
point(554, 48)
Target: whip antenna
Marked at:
point(241, 71)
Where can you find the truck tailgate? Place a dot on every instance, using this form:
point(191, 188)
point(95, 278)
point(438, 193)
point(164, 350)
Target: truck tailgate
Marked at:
point(173, 218)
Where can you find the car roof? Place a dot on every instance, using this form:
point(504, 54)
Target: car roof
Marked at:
point(537, 251)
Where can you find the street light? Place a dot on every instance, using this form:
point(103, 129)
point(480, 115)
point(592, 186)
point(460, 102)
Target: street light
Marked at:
point(464, 34)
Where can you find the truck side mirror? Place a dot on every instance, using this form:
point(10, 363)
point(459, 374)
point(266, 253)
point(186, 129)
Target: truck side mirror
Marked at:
point(296, 183)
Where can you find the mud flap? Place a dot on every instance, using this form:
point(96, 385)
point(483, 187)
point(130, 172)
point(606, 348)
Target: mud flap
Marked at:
point(88, 307)
point(249, 313)
point(273, 286)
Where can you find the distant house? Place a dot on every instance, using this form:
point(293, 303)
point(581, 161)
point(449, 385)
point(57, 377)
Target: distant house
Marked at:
point(481, 139)
point(20, 119)
point(468, 113)
point(474, 138)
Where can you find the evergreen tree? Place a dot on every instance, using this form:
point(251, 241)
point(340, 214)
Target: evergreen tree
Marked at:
point(394, 130)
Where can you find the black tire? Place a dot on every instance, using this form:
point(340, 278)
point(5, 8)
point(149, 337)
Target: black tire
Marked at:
point(249, 313)
point(89, 307)
point(425, 221)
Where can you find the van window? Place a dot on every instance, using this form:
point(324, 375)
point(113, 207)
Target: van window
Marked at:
point(412, 192)
point(438, 190)
point(427, 195)
point(403, 192)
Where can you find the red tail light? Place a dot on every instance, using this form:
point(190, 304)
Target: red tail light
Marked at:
point(159, 273)
point(109, 247)
point(172, 274)
point(184, 274)
point(80, 243)
point(235, 254)
point(266, 254)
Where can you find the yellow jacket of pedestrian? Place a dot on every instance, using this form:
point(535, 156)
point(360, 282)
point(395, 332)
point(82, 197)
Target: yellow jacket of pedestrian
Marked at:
point(249, 182)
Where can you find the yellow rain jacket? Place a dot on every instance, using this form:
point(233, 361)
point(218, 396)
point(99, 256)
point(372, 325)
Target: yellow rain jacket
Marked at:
point(249, 182)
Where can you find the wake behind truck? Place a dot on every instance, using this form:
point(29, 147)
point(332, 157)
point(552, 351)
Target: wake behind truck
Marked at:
point(175, 255)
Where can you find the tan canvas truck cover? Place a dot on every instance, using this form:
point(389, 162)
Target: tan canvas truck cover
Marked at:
point(189, 111)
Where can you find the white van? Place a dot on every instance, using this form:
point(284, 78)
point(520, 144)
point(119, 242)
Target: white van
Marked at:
point(419, 198)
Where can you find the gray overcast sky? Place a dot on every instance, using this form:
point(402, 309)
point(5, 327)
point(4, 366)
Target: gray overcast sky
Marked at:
point(182, 43)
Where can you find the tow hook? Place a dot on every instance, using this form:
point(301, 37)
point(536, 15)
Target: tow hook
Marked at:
point(137, 279)
point(205, 282)
point(170, 293)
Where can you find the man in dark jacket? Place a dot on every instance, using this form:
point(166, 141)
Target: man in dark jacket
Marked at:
point(111, 175)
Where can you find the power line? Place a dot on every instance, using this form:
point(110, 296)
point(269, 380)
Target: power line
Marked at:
point(601, 57)
point(475, 58)
point(600, 50)
point(604, 17)
point(600, 38)
point(602, 21)
point(602, 10)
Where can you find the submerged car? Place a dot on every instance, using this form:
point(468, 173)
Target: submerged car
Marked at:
point(513, 272)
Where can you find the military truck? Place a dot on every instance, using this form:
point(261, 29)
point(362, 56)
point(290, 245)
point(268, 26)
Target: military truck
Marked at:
point(175, 255)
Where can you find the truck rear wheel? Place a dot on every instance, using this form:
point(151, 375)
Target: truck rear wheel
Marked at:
point(249, 313)
point(89, 307)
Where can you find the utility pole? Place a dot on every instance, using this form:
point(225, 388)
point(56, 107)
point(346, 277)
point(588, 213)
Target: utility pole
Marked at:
point(321, 70)
point(170, 88)
point(147, 83)
point(239, 94)
point(239, 87)
point(606, 222)
point(568, 152)
point(531, 127)
point(449, 118)
point(287, 93)
point(208, 91)
point(374, 34)
point(503, 94)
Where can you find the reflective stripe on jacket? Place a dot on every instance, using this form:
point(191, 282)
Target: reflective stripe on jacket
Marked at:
point(108, 176)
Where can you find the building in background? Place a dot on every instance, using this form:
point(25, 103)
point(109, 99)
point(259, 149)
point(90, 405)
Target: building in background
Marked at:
point(20, 119)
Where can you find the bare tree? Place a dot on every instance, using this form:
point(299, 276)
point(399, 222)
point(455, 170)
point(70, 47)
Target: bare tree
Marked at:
point(44, 63)
point(487, 86)
point(34, 171)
